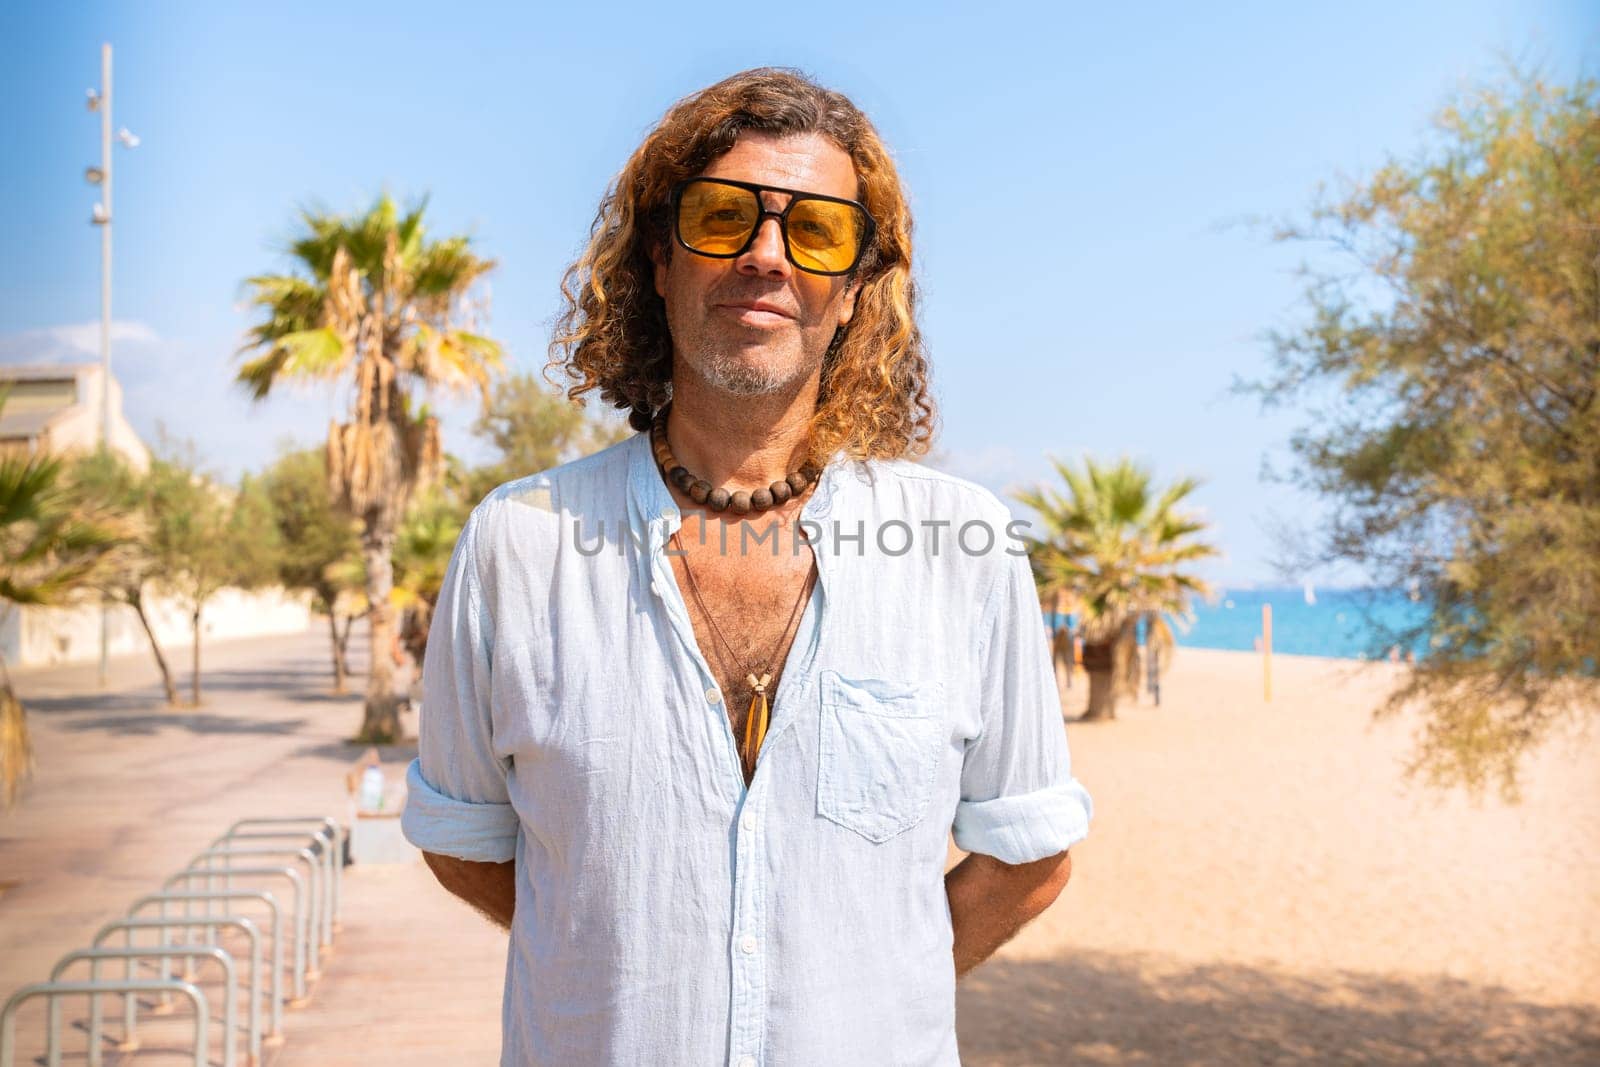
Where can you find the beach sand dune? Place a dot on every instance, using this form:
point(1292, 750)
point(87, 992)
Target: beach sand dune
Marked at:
point(1261, 885)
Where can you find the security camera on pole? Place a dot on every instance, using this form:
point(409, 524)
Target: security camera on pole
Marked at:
point(101, 217)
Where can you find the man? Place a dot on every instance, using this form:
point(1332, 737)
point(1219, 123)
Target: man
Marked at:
point(703, 708)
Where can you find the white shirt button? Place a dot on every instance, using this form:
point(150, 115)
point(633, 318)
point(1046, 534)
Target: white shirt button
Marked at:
point(747, 821)
point(747, 1061)
point(713, 696)
point(748, 944)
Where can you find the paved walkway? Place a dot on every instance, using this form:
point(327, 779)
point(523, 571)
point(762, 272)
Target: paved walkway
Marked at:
point(1258, 888)
point(127, 791)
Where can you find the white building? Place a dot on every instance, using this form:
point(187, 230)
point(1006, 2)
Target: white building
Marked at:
point(56, 409)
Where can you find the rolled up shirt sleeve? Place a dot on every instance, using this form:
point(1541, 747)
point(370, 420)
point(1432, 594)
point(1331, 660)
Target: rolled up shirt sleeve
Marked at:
point(1019, 801)
point(456, 798)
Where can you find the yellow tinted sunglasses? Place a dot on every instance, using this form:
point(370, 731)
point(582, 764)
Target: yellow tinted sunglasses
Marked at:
point(719, 218)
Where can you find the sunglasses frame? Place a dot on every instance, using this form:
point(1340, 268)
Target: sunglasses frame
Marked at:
point(795, 197)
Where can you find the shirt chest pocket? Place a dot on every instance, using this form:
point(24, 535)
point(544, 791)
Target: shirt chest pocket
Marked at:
point(879, 752)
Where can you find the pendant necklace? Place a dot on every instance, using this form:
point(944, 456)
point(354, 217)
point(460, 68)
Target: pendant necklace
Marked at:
point(755, 720)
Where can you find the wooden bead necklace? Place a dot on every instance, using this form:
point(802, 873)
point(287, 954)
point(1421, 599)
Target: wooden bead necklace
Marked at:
point(741, 502)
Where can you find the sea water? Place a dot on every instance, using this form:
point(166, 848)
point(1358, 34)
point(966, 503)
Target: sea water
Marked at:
point(1340, 623)
point(1343, 623)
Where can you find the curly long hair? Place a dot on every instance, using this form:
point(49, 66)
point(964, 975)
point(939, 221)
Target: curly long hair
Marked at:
point(873, 400)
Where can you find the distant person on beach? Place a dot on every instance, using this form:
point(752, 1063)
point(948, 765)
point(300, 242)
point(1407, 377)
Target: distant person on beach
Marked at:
point(702, 710)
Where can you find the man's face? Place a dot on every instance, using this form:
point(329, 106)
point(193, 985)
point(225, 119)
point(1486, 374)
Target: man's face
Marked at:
point(756, 323)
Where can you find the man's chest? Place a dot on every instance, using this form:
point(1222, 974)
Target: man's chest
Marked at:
point(617, 677)
point(744, 612)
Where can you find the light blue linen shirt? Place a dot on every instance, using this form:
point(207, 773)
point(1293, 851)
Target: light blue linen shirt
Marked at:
point(666, 914)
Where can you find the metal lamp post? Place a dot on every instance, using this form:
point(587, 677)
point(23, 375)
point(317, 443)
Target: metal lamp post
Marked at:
point(101, 217)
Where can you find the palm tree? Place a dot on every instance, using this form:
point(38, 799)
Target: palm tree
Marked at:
point(1054, 595)
point(422, 555)
point(376, 305)
point(1115, 549)
point(53, 543)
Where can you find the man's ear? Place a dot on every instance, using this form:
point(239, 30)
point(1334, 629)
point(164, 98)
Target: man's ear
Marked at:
point(658, 256)
point(847, 302)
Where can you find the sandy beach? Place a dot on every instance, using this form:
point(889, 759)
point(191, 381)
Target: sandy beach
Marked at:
point(1260, 885)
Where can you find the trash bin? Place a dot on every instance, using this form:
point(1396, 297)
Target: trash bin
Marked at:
point(375, 807)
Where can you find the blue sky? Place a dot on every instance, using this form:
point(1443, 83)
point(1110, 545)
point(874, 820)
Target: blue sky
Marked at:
point(1081, 180)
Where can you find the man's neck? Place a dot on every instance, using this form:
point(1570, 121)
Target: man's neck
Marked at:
point(739, 442)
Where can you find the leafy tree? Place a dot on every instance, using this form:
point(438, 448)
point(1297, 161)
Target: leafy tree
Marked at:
point(1116, 549)
point(1451, 354)
point(321, 549)
point(130, 566)
point(534, 428)
point(204, 539)
point(53, 542)
point(375, 304)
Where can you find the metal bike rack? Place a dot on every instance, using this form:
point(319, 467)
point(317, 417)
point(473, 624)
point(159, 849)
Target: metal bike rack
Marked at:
point(323, 845)
point(8, 1016)
point(320, 841)
point(160, 900)
point(303, 916)
point(250, 929)
point(340, 839)
point(229, 871)
point(230, 1016)
point(182, 878)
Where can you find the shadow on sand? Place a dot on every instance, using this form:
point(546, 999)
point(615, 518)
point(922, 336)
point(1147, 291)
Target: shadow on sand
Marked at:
point(1106, 1008)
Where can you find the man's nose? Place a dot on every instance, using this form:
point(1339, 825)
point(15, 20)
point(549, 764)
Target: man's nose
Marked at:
point(765, 257)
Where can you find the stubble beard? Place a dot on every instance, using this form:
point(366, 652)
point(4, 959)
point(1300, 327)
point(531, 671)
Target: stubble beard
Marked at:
point(726, 365)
